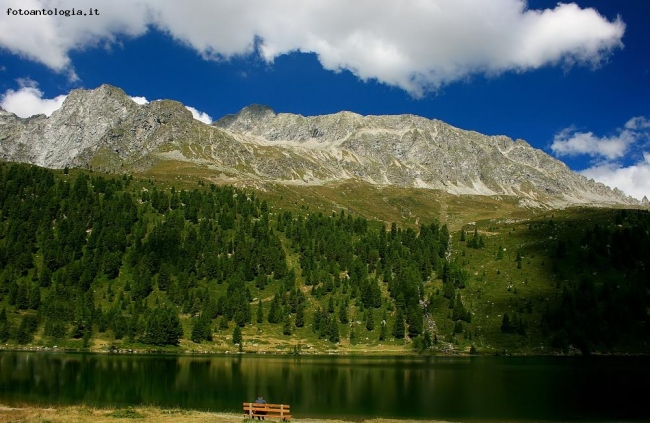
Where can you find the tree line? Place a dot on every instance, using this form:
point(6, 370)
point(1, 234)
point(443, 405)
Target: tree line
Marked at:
point(82, 255)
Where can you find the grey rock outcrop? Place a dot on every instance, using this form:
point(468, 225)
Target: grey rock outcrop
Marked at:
point(412, 151)
point(88, 122)
point(105, 129)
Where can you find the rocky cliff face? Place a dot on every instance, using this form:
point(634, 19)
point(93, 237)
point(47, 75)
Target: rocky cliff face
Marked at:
point(89, 122)
point(105, 129)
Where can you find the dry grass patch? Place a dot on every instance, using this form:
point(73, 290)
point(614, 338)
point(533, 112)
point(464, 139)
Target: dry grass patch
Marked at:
point(83, 414)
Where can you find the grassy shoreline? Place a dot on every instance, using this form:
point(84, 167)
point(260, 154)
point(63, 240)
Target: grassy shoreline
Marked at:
point(81, 414)
point(366, 352)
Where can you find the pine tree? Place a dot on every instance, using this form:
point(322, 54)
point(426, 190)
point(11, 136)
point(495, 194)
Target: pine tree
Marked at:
point(375, 294)
point(300, 316)
point(333, 331)
point(201, 330)
point(383, 333)
point(343, 312)
point(35, 297)
point(236, 336)
point(398, 327)
point(286, 328)
point(4, 326)
point(460, 313)
point(26, 330)
point(415, 321)
point(45, 277)
point(275, 312)
point(370, 321)
point(86, 336)
point(22, 297)
point(243, 312)
point(162, 328)
point(120, 326)
point(163, 277)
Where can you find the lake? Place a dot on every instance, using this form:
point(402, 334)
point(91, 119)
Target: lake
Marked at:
point(451, 388)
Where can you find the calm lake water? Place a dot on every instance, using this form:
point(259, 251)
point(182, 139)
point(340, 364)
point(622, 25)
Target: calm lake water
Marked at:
point(452, 388)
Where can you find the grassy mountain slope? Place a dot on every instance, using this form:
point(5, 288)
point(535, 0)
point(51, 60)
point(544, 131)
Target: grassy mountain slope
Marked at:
point(406, 206)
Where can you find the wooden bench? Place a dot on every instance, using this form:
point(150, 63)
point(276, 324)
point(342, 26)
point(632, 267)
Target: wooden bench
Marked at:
point(273, 411)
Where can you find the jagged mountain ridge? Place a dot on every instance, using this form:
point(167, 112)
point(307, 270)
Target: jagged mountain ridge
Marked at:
point(104, 129)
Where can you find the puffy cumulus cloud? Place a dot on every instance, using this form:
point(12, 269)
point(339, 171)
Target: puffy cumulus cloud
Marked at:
point(417, 45)
point(633, 180)
point(49, 39)
point(630, 143)
point(570, 142)
point(28, 100)
point(200, 116)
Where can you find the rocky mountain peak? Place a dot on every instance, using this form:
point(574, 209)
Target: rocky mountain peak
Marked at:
point(88, 121)
point(106, 104)
point(102, 93)
point(256, 111)
point(105, 129)
point(246, 118)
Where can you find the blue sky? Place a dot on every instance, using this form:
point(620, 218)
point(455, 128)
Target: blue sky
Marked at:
point(571, 79)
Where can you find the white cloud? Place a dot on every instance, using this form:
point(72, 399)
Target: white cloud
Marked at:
point(608, 153)
point(140, 100)
point(637, 123)
point(28, 101)
point(633, 180)
point(569, 142)
point(201, 116)
point(49, 39)
point(417, 45)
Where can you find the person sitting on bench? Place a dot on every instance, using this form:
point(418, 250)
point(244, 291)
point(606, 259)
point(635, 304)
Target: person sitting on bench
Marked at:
point(260, 414)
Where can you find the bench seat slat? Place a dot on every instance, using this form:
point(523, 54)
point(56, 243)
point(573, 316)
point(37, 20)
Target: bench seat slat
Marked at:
point(268, 406)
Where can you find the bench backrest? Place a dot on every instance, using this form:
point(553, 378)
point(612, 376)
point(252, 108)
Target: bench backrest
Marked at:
point(251, 408)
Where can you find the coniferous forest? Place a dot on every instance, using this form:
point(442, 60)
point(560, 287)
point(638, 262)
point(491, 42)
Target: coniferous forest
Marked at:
point(89, 260)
